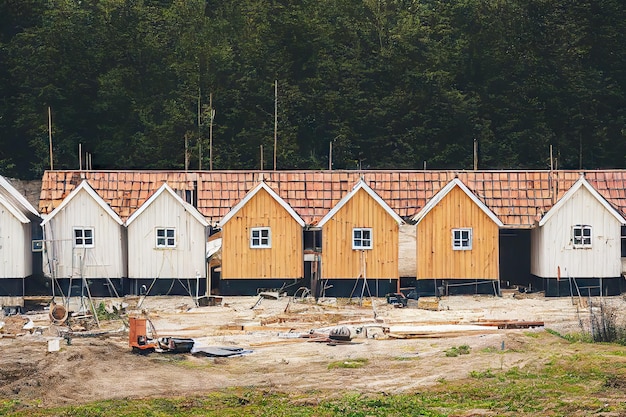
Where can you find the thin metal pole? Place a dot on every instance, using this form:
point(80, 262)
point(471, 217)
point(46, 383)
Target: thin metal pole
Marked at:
point(475, 154)
point(275, 120)
point(199, 134)
point(50, 137)
point(186, 152)
point(212, 115)
point(330, 157)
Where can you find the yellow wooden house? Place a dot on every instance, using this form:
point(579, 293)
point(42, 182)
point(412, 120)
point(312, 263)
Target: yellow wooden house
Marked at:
point(457, 243)
point(262, 244)
point(359, 243)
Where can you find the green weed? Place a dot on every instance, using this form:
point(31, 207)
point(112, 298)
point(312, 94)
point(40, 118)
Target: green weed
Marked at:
point(348, 363)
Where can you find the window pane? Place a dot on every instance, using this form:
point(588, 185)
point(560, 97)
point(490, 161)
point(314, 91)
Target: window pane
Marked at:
point(88, 233)
point(170, 232)
point(170, 242)
point(78, 233)
point(160, 232)
point(366, 234)
point(255, 233)
point(265, 232)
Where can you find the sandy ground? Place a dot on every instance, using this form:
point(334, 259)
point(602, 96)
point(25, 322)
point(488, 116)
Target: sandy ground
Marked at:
point(103, 367)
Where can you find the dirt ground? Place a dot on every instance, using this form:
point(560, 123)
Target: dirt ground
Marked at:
point(102, 366)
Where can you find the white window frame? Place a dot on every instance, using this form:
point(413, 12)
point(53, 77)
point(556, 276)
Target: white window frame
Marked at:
point(260, 238)
point(460, 236)
point(582, 236)
point(163, 240)
point(361, 241)
point(79, 241)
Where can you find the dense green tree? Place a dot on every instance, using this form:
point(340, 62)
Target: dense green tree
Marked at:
point(387, 83)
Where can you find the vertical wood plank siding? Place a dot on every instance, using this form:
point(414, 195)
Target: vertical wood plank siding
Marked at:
point(105, 259)
point(435, 256)
point(15, 250)
point(552, 247)
point(283, 260)
point(186, 260)
point(339, 260)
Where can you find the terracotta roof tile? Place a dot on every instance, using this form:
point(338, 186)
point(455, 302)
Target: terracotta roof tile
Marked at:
point(517, 197)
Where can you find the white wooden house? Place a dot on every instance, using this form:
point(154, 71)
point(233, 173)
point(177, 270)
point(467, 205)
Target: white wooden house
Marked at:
point(577, 244)
point(17, 217)
point(167, 240)
point(85, 241)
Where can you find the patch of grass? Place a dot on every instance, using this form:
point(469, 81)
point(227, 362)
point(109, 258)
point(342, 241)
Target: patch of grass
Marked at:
point(348, 363)
point(572, 337)
point(103, 314)
point(492, 349)
point(198, 364)
point(456, 351)
point(482, 374)
point(7, 406)
point(406, 358)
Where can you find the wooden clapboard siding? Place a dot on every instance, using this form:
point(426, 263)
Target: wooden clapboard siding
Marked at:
point(339, 260)
point(435, 256)
point(283, 260)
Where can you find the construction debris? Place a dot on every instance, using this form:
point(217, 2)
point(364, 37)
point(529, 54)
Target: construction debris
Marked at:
point(428, 303)
point(435, 331)
point(511, 324)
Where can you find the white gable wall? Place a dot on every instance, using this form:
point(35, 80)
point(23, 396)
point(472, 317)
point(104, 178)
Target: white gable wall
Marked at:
point(104, 260)
point(186, 260)
point(552, 247)
point(15, 251)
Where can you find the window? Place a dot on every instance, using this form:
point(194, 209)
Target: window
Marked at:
point(165, 237)
point(623, 241)
point(462, 239)
point(361, 238)
point(260, 237)
point(83, 237)
point(581, 236)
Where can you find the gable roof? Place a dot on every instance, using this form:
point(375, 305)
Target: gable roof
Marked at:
point(519, 198)
point(13, 210)
point(166, 189)
point(16, 198)
point(361, 185)
point(252, 193)
point(87, 188)
point(444, 191)
point(582, 183)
